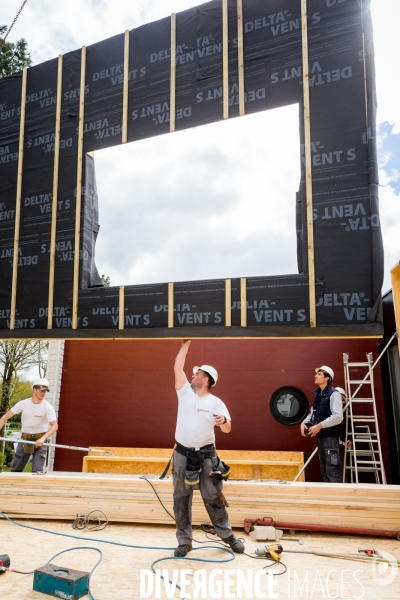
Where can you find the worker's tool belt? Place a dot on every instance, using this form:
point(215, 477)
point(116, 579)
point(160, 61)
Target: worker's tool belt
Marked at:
point(194, 464)
point(30, 437)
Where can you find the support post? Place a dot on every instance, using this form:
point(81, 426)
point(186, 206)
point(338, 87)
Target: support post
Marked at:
point(240, 57)
point(243, 302)
point(18, 200)
point(125, 89)
point(173, 75)
point(170, 305)
point(79, 190)
point(228, 303)
point(308, 169)
point(225, 62)
point(55, 195)
point(395, 277)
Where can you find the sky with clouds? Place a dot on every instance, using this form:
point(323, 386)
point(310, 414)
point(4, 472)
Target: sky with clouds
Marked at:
point(192, 205)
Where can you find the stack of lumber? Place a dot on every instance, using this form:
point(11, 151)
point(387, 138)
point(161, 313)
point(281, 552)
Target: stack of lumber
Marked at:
point(244, 464)
point(130, 499)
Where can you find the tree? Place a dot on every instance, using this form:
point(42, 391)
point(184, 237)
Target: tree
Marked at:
point(105, 280)
point(13, 57)
point(16, 356)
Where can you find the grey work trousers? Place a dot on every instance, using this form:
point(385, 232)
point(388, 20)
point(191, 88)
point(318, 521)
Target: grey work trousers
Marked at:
point(329, 459)
point(21, 459)
point(183, 501)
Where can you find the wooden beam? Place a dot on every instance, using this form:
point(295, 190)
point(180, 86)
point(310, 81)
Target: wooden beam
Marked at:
point(240, 57)
point(18, 200)
point(395, 277)
point(55, 195)
point(308, 168)
point(228, 303)
point(79, 191)
point(170, 305)
point(173, 75)
point(125, 89)
point(225, 62)
point(243, 302)
point(121, 310)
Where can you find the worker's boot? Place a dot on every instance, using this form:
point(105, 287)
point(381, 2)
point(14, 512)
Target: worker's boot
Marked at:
point(236, 545)
point(182, 549)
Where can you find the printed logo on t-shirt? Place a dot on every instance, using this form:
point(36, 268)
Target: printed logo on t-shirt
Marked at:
point(202, 410)
point(38, 416)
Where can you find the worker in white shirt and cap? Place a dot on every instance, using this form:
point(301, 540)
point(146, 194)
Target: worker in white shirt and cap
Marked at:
point(324, 422)
point(38, 423)
point(196, 464)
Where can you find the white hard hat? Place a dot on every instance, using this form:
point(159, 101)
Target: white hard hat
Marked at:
point(208, 369)
point(341, 391)
point(326, 370)
point(41, 382)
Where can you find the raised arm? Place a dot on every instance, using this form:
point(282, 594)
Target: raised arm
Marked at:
point(180, 377)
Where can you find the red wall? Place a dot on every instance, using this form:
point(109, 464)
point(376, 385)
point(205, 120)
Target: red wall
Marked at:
point(121, 393)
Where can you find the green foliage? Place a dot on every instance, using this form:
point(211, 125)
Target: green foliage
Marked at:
point(13, 56)
point(105, 280)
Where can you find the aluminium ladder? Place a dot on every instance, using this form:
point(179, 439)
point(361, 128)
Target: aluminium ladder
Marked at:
point(365, 454)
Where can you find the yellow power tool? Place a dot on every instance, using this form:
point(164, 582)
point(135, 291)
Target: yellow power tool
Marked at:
point(270, 551)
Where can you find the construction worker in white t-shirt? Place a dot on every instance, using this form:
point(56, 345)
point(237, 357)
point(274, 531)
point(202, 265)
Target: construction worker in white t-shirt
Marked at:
point(195, 461)
point(38, 423)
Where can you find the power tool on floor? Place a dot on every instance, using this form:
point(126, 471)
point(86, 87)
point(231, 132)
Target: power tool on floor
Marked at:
point(4, 562)
point(270, 551)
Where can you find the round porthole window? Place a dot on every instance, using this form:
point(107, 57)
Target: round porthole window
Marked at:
point(289, 405)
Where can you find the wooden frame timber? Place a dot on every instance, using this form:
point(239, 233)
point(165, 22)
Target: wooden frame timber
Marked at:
point(125, 89)
point(240, 57)
point(228, 303)
point(307, 140)
point(121, 309)
point(55, 195)
point(18, 199)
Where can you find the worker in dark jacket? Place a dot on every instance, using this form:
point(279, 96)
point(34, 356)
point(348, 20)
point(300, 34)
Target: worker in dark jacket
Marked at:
point(324, 422)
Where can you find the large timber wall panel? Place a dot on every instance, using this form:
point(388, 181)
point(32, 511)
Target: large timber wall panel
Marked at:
point(314, 53)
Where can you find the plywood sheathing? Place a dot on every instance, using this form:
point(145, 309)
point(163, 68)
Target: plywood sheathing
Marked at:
point(243, 464)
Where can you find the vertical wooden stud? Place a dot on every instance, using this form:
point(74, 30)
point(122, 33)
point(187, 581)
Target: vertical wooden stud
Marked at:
point(243, 302)
point(225, 62)
point(228, 302)
point(79, 191)
point(55, 195)
point(121, 313)
point(125, 89)
point(308, 168)
point(170, 305)
point(240, 57)
point(18, 200)
point(173, 74)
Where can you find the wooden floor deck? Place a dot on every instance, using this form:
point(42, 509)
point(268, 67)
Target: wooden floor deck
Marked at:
point(118, 575)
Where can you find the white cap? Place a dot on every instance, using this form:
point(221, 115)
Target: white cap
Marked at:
point(326, 370)
point(41, 382)
point(341, 391)
point(208, 369)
